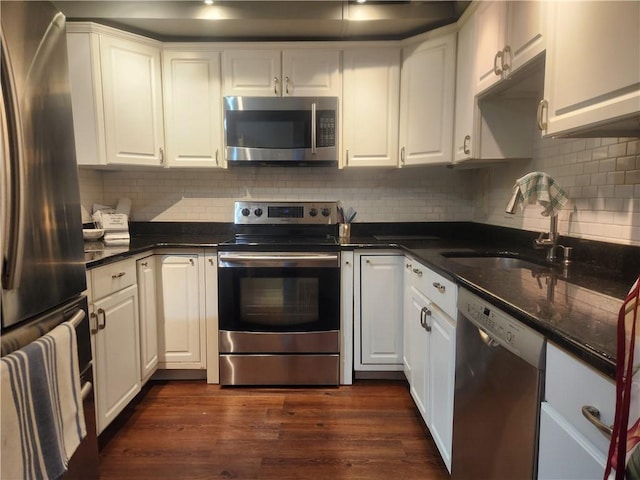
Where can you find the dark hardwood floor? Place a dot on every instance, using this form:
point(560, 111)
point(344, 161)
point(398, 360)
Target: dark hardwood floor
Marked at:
point(191, 430)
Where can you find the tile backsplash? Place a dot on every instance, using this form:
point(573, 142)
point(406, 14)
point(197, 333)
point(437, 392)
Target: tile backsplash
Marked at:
point(600, 176)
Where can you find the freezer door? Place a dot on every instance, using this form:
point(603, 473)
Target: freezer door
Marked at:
point(42, 245)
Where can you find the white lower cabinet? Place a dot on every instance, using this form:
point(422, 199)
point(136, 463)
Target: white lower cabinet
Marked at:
point(147, 301)
point(181, 324)
point(378, 312)
point(571, 447)
point(113, 307)
point(430, 338)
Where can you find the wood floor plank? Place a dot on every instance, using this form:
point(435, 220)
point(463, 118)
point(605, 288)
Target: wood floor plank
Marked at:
point(191, 430)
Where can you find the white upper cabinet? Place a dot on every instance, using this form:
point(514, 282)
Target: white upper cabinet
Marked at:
point(426, 102)
point(508, 35)
point(303, 72)
point(592, 69)
point(117, 97)
point(371, 85)
point(193, 108)
point(465, 107)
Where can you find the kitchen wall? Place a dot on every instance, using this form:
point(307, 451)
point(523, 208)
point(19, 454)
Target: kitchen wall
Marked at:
point(379, 195)
point(601, 177)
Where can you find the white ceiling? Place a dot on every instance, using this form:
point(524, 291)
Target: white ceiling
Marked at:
point(187, 20)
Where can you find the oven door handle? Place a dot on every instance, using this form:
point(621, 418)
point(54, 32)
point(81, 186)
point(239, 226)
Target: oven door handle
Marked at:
point(280, 260)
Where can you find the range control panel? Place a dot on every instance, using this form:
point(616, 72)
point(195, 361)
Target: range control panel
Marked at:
point(500, 329)
point(278, 213)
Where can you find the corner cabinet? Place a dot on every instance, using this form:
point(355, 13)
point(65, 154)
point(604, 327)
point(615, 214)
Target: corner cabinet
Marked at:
point(426, 102)
point(592, 69)
point(370, 107)
point(270, 72)
point(116, 94)
point(430, 348)
point(181, 328)
point(192, 108)
point(378, 312)
point(113, 307)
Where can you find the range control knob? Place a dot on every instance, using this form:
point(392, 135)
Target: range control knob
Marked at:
point(245, 212)
point(313, 212)
point(326, 212)
point(258, 212)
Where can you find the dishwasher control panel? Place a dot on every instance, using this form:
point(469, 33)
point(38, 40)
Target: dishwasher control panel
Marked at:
point(501, 328)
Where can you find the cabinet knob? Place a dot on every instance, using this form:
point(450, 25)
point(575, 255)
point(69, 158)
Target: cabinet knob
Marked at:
point(347, 262)
point(211, 261)
point(191, 262)
point(144, 264)
point(441, 288)
point(417, 272)
point(118, 275)
point(408, 265)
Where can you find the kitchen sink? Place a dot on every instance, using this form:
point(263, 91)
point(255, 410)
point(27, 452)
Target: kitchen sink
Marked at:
point(499, 260)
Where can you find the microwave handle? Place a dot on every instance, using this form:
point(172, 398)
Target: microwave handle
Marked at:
point(313, 128)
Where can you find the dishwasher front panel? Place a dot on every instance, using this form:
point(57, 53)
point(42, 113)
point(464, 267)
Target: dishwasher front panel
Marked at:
point(496, 409)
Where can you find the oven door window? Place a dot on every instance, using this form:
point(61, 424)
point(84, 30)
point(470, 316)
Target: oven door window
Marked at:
point(279, 299)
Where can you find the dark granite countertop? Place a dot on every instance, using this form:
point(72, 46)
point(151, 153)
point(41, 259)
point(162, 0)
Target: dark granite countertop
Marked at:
point(575, 307)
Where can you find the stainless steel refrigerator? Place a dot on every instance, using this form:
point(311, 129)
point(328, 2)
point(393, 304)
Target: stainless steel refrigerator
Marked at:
point(43, 270)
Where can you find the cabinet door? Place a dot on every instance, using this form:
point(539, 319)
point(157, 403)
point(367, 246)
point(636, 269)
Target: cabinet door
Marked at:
point(441, 376)
point(211, 316)
point(464, 135)
point(524, 33)
point(193, 106)
point(371, 79)
point(310, 72)
point(117, 354)
point(490, 18)
point(346, 317)
point(592, 69)
point(146, 275)
point(564, 454)
point(381, 309)
point(419, 346)
point(180, 333)
point(426, 107)
point(407, 316)
point(132, 95)
point(251, 72)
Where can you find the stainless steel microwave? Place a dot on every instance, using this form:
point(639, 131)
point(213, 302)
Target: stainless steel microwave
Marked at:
point(281, 130)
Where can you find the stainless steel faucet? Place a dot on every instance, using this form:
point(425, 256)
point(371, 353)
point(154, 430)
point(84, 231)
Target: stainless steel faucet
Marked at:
point(551, 241)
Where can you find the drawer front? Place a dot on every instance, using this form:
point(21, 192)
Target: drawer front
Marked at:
point(443, 293)
point(420, 276)
point(571, 384)
point(113, 277)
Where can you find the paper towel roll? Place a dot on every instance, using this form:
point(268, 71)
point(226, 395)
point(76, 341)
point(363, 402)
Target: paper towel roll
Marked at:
point(124, 206)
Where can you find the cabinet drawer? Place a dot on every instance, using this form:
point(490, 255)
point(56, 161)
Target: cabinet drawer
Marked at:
point(113, 277)
point(442, 292)
point(571, 384)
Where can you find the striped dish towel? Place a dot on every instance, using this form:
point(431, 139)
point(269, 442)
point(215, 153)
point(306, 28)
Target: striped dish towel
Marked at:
point(626, 426)
point(540, 187)
point(42, 420)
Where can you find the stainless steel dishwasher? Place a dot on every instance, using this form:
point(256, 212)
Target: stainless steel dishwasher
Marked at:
point(499, 380)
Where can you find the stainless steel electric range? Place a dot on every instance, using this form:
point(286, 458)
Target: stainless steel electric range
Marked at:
point(279, 295)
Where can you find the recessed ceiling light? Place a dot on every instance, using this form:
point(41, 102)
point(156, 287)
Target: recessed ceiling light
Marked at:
point(361, 1)
point(208, 2)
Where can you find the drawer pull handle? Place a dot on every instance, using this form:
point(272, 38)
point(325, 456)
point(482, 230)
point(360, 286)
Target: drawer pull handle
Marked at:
point(417, 272)
point(441, 288)
point(592, 414)
point(118, 275)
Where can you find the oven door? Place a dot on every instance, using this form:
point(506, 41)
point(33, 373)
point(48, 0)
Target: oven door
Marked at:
point(279, 292)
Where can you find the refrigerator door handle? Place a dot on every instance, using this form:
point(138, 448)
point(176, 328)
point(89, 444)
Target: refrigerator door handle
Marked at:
point(13, 173)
